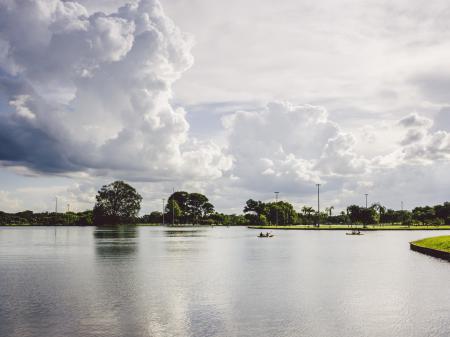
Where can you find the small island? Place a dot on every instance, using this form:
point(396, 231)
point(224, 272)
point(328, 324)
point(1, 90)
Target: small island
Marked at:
point(435, 246)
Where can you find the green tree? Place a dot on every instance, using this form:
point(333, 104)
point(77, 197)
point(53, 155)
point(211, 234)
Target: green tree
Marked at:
point(423, 214)
point(196, 204)
point(329, 210)
point(182, 200)
point(173, 212)
point(152, 218)
point(193, 207)
point(262, 220)
point(283, 210)
point(360, 214)
point(307, 210)
point(380, 210)
point(116, 203)
point(253, 206)
point(308, 218)
point(207, 209)
point(443, 212)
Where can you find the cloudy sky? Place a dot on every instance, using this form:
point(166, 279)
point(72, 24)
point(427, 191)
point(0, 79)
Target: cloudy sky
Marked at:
point(235, 99)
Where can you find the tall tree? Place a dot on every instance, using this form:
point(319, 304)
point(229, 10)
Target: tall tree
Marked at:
point(117, 202)
point(423, 214)
point(173, 212)
point(196, 206)
point(307, 210)
point(182, 199)
point(208, 209)
point(256, 207)
point(189, 207)
point(329, 210)
point(361, 214)
point(379, 209)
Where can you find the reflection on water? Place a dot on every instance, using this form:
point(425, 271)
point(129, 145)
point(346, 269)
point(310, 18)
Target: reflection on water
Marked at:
point(184, 241)
point(224, 282)
point(116, 232)
point(185, 232)
point(115, 241)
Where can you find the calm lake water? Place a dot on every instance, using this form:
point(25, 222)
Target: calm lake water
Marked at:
point(154, 281)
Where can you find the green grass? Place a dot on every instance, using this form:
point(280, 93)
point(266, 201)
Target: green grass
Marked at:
point(148, 224)
point(15, 225)
point(345, 227)
point(441, 243)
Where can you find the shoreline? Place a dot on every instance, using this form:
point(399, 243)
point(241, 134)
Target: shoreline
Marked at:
point(298, 228)
point(342, 228)
point(440, 254)
point(438, 246)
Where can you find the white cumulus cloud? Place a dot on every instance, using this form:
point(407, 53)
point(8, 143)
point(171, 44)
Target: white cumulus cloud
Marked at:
point(289, 146)
point(94, 91)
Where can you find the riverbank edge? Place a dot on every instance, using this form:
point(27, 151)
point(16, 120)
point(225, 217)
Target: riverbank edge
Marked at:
point(136, 225)
point(430, 251)
point(417, 228)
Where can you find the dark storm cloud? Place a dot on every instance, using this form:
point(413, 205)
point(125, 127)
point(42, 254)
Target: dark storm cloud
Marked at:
point(91, 92)
point(21, 144)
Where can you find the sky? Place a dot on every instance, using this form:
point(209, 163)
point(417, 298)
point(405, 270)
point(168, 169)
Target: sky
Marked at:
point(233, 99)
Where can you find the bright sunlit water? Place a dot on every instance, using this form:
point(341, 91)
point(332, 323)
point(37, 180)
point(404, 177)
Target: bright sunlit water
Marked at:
point(154, 281)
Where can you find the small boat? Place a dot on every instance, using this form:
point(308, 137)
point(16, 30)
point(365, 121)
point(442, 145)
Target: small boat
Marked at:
point(354, 232)
point(267, 235)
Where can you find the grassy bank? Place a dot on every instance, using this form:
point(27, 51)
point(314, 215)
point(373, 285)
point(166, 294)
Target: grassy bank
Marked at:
point(441, 243)
point(148, 224)
point(345, 227)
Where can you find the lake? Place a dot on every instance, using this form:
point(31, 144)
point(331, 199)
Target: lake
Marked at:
point(157, 281)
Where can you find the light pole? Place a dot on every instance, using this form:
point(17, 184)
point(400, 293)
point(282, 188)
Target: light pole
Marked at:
point(366, 221)
point(318, 205)
point(173, 207)
point(276, 206)
point(163, 212)
point(403, 214)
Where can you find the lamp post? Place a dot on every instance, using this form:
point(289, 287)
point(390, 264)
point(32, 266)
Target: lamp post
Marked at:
point(173, 207)
point(276, 206)
point(366, 221)
point(163, 212)
point(403, 214)
point(318, 205)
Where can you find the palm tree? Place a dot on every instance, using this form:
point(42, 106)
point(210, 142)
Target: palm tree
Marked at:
point(329, 210)
point(380, 209)
point(307, 210)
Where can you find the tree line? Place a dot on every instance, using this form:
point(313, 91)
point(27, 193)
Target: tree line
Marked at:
point(283, 213)
point(120, 203)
